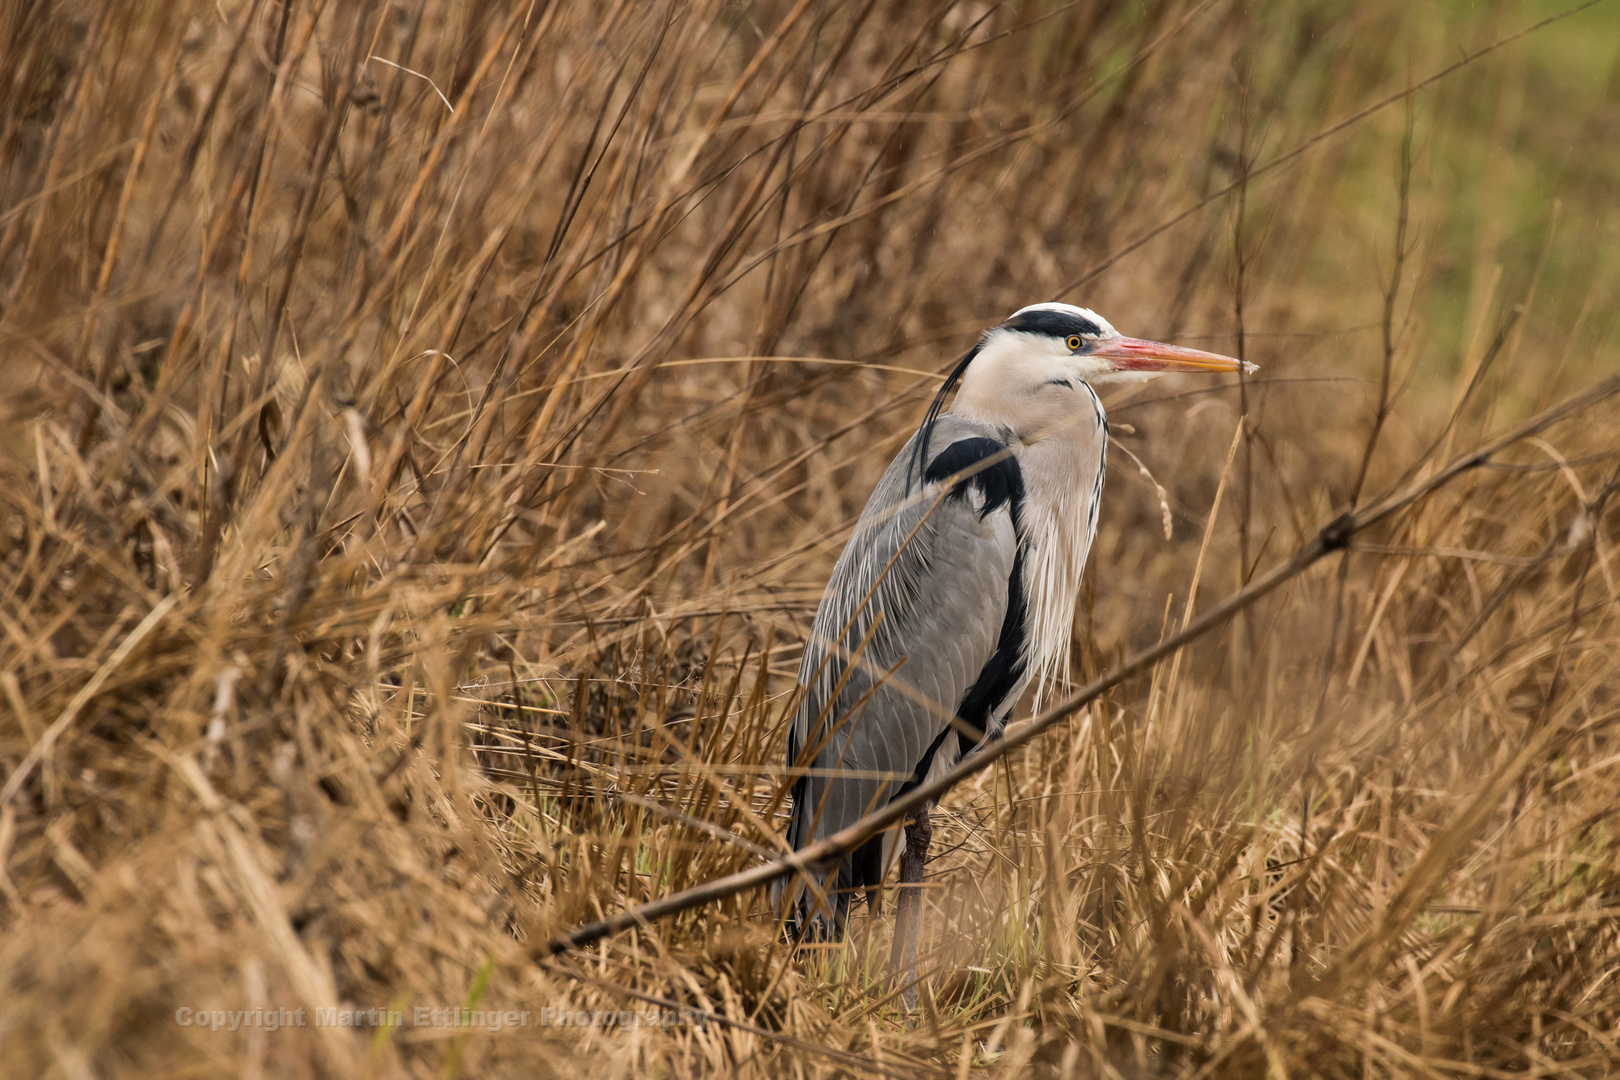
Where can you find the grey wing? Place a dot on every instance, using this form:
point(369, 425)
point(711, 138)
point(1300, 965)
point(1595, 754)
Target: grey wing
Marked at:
point(912, 615)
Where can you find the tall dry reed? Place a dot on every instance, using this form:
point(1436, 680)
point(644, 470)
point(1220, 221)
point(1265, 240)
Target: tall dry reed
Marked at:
point(427, 428)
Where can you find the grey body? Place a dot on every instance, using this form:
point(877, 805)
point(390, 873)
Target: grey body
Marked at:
point(925, 583)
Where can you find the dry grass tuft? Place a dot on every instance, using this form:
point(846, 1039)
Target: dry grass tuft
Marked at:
point(427, 427)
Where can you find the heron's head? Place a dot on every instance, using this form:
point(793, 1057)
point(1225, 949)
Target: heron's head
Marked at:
point(1027, 372)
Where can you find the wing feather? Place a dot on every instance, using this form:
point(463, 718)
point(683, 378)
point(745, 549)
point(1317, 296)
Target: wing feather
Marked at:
point(913, 613)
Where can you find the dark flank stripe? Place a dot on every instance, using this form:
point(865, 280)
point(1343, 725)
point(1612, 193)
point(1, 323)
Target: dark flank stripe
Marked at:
point(1002, 484)
point(1006, 666)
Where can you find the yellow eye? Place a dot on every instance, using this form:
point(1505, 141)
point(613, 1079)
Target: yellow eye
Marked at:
point(1074, 342)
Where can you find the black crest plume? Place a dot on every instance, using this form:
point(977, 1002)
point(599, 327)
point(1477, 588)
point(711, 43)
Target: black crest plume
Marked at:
point(919, 453)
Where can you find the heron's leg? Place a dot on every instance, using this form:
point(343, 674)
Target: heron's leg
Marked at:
point(908, 910)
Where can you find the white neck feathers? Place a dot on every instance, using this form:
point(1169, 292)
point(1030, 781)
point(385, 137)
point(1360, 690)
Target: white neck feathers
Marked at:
point(1063, 481)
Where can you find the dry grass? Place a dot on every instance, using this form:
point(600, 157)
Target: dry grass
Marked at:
point(416, 484)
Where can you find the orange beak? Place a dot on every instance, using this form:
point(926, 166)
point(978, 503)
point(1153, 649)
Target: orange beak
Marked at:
point(1134, 354)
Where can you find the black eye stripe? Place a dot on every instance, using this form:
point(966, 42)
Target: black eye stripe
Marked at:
point(1059, 324)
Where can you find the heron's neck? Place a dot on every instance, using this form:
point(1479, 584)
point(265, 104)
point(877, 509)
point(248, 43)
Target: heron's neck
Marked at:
point(1063, 481)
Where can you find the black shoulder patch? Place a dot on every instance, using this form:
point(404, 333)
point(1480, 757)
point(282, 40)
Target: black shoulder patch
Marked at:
point(1058, 324)
point(990, 467)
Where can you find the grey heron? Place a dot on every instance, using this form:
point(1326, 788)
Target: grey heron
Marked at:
point(956, 590)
